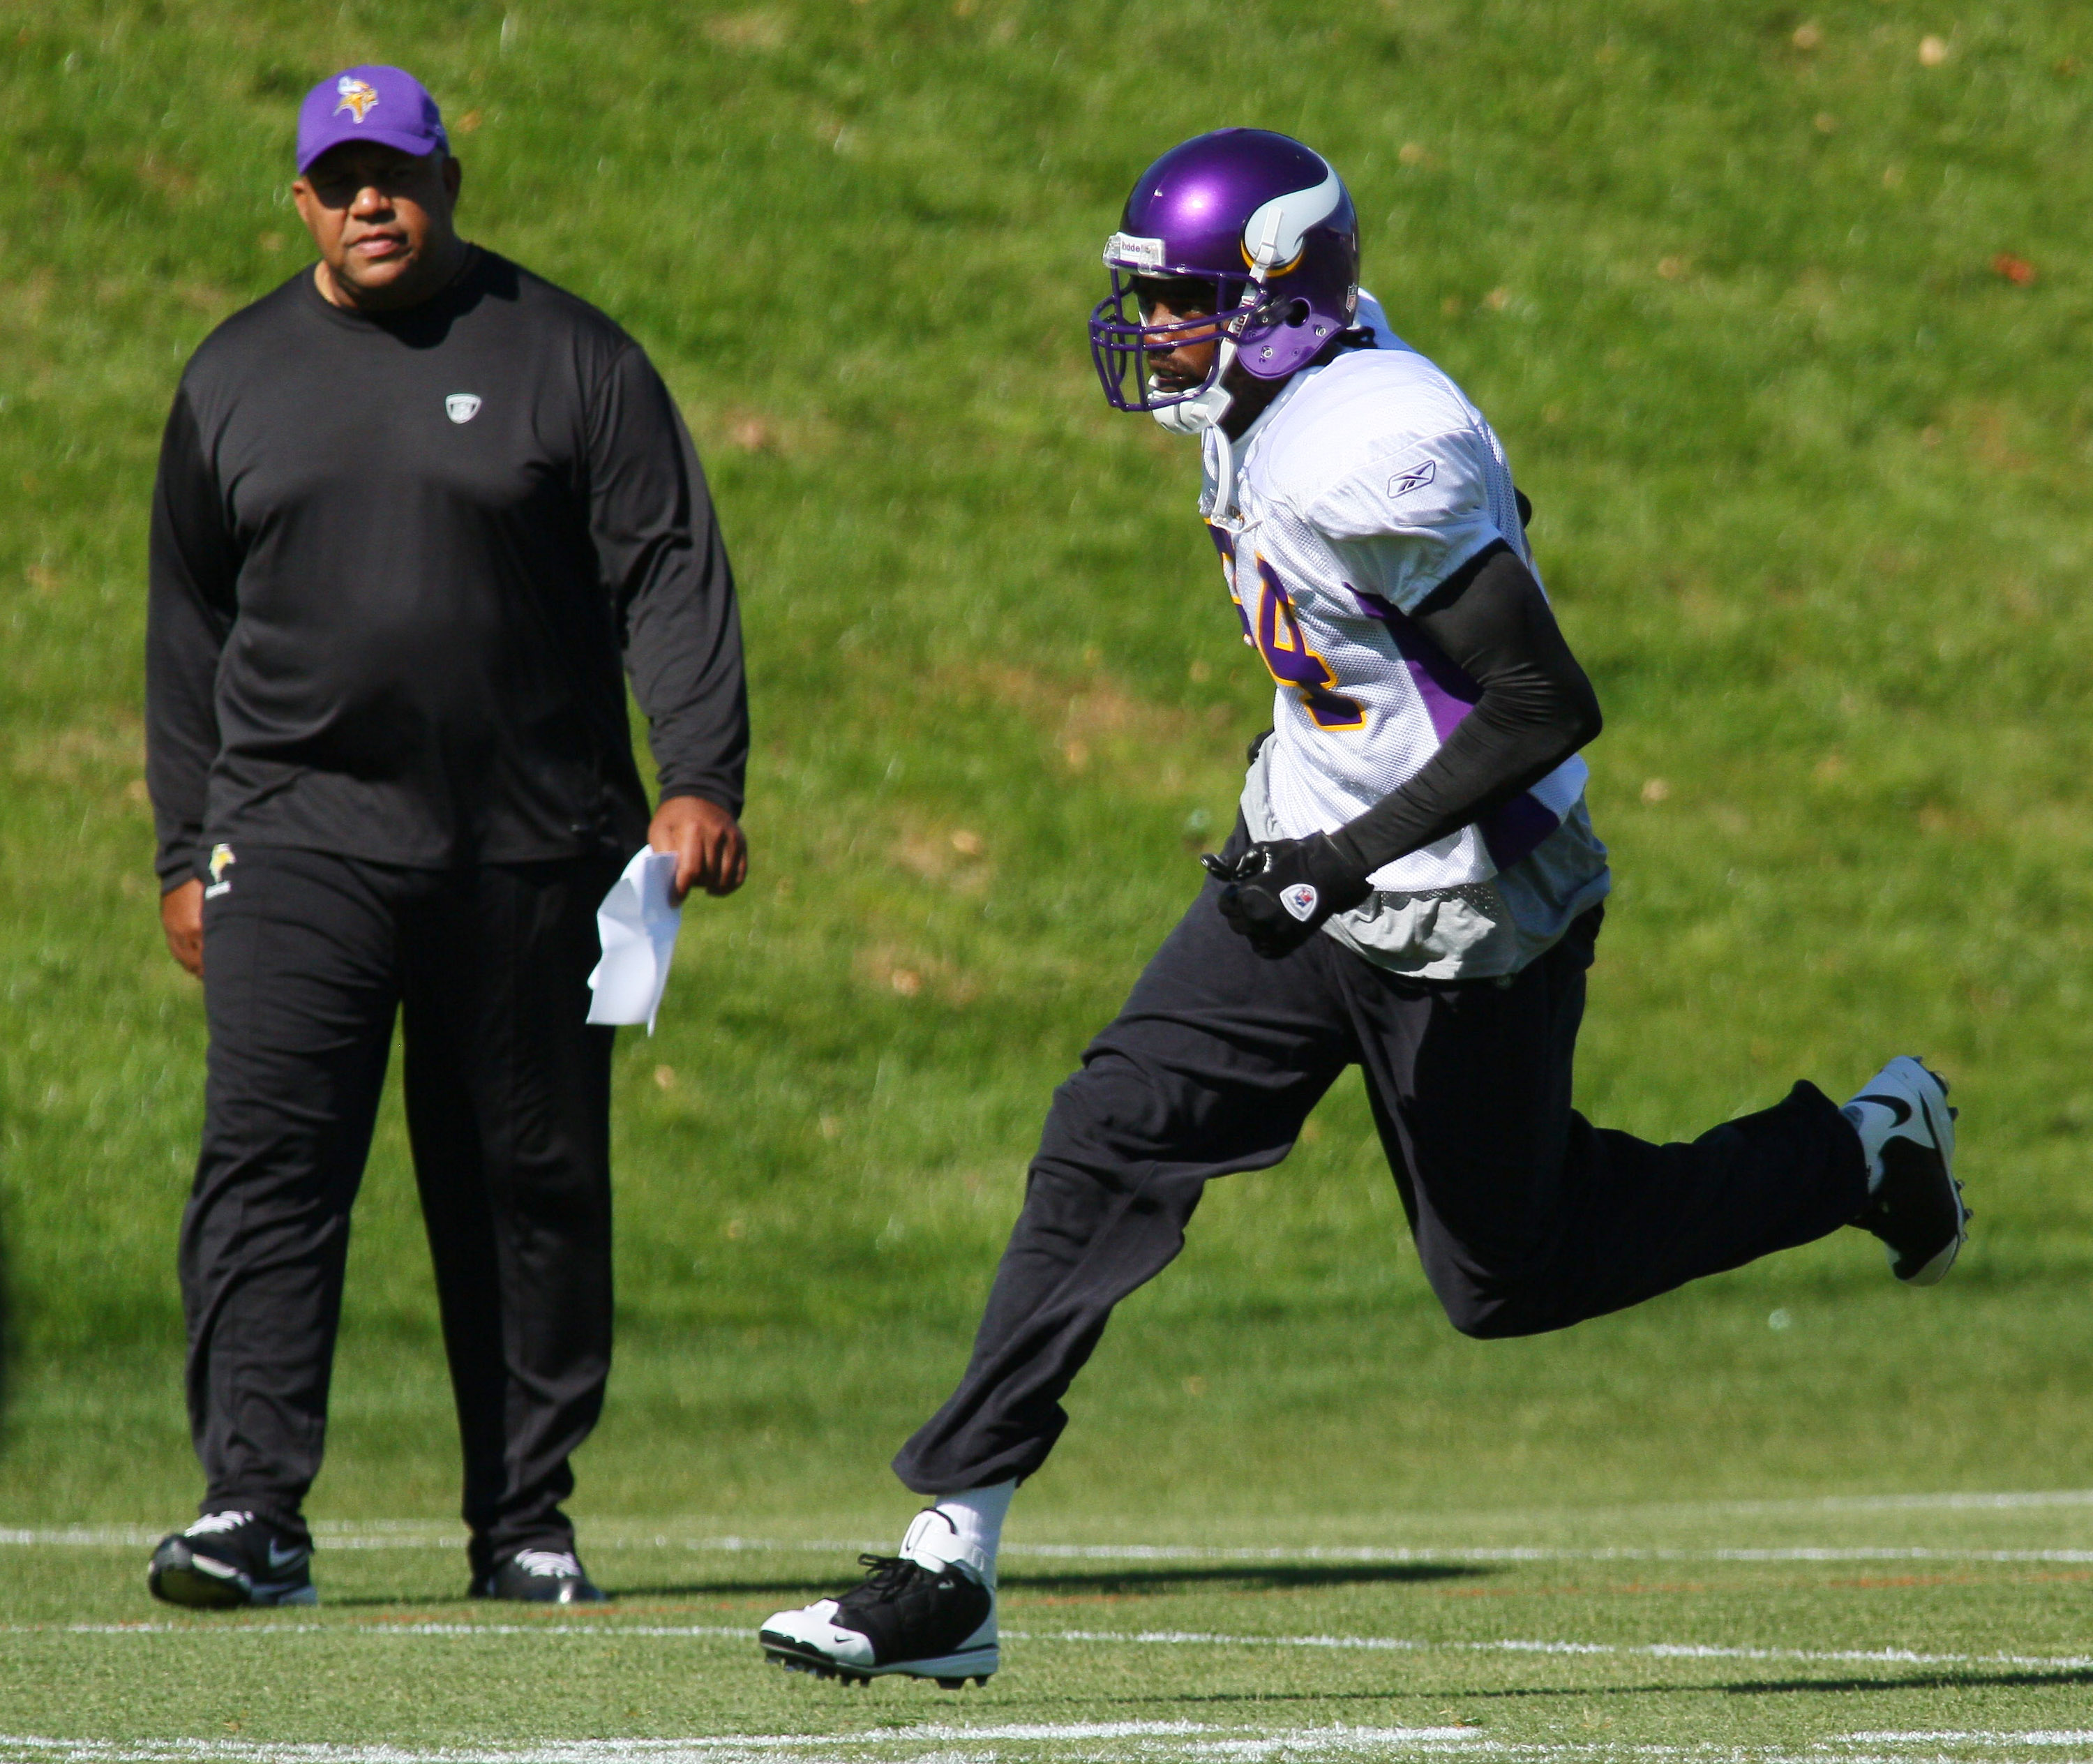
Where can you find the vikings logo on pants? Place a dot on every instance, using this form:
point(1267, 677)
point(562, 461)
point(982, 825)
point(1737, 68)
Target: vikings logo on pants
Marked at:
point(221, 858)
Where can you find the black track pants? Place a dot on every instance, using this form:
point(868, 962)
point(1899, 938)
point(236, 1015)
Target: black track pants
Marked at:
point(307, 957)
point(1526, 1217)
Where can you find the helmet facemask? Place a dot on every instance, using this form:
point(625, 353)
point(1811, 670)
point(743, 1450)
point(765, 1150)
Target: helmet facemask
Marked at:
point(1125, 337)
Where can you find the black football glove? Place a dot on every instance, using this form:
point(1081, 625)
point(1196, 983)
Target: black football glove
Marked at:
point(1280, 891)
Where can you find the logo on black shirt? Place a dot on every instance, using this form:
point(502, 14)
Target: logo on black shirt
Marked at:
point(461, 407)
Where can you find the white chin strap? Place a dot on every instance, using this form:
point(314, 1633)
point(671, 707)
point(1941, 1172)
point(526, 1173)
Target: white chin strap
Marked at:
point(1194, 416)
point(1217, 463)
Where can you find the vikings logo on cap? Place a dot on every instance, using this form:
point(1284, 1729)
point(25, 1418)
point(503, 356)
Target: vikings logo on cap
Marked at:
point(356, 98)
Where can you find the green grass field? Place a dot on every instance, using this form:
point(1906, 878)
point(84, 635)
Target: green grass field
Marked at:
point(1781, 311)
point(1693, 1631)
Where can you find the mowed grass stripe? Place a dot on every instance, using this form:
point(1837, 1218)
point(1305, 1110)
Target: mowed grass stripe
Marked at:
point(1140, 1638)
point(1144, 1738)
point(1148, 1737)
point(418, 1534)
point(131, 1536)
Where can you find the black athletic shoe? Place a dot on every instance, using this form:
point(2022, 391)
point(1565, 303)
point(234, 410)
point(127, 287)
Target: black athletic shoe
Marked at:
point(541, 1577)
point(1907, 1132)
point(905, 1618)
point(229, 1559)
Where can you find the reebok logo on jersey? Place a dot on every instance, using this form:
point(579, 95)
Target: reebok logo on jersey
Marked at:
point(1299, 900)
point(461, 407)
point(1416, 478)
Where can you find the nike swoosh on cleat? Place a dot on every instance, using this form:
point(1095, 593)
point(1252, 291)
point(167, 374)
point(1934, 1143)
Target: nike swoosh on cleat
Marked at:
point(1896, 1106)
point(284, 1559)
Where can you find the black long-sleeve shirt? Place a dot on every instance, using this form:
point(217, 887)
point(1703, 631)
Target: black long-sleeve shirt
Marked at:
point(396, 564)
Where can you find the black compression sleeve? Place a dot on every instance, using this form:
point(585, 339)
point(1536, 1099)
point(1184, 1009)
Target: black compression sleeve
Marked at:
point(1536, 709)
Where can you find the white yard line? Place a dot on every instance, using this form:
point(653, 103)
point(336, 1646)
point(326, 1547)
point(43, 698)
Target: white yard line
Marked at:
point(1655, 1650)
point(425, 1534)
point(939, 1741)
point(1523, 1552)
point(1915, 1737)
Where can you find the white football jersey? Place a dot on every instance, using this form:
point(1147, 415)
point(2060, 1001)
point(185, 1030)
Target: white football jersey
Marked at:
point(1362, 486)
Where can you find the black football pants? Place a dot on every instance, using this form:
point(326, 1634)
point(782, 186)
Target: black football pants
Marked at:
point(307, 959)
point(1525, 1217)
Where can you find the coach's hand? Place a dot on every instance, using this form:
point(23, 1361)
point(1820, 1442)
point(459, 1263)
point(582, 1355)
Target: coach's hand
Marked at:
point(181, 917)
point(711, 852)
point(1280, 891)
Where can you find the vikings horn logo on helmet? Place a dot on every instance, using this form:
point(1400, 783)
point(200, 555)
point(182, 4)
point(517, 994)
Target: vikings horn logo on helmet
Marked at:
point(1276, 236)
point(356, 98)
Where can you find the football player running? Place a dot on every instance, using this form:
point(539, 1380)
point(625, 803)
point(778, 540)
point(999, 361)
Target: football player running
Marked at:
point(1413, 886)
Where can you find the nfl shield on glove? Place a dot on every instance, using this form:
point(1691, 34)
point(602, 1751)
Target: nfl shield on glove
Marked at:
point(1280, 891)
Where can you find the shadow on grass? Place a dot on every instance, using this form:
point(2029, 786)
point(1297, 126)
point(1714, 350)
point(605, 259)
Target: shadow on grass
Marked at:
point(1136, 1583)
point(1131, 1583)
point(1932, 1681)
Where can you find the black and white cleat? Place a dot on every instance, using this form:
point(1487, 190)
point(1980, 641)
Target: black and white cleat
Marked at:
point(903, 1619)
point(1915, 1205)
point(540, 1577)
point(227, 1560)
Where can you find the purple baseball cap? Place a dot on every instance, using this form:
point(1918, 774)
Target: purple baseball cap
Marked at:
point(387, 105)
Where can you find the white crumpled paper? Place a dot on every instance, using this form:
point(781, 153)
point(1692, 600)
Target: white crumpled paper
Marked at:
point(638, 926)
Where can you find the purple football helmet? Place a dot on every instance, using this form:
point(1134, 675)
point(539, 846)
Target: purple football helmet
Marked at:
point(1267, 224)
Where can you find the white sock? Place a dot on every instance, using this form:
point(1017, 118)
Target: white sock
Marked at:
point(963, 1528)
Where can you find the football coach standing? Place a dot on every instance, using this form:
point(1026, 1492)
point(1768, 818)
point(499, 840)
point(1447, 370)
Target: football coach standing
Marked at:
point(418, 514)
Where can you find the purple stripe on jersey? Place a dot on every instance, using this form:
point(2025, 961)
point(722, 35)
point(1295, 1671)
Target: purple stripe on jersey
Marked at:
point(1449, 694)
point(1513, 831)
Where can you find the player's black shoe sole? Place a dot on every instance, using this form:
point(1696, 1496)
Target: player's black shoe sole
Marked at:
point(949, 1674)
